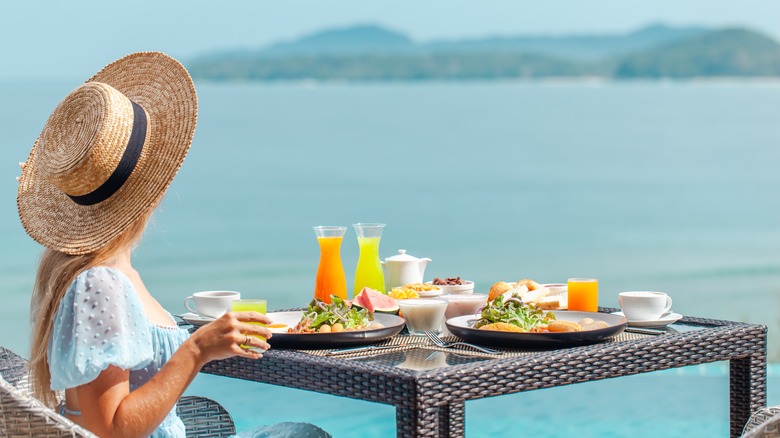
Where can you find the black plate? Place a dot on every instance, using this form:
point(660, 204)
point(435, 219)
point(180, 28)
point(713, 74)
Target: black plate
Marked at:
point(392, 325)
point(461, 326)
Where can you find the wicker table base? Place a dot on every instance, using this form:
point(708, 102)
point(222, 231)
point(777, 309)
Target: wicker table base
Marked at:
point(431, 402)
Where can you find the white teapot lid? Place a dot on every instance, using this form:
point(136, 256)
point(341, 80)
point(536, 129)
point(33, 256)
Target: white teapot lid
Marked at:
point(402, 256)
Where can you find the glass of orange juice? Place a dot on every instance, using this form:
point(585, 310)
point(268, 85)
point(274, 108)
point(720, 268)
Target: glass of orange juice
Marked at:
point(246, 305)
point(584, 294)
point(331, 279)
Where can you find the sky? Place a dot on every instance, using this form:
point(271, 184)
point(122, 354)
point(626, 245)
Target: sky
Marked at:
point(50, 39)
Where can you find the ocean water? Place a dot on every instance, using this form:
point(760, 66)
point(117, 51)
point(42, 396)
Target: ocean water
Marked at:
point(645, 185)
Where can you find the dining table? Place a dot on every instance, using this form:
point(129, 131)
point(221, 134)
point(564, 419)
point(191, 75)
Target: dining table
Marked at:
point(429, 385)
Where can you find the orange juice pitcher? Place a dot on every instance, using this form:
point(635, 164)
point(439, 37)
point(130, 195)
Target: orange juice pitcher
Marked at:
point(331, 279)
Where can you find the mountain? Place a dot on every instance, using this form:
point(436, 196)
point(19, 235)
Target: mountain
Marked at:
point(373, 39)
point(574, 47)
point(728, 52)
point(371, 52)
point(364, 39)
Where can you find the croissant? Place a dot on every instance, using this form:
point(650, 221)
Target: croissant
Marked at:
point(530, 284)
point(498, 289)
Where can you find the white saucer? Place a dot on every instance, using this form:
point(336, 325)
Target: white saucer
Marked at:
point(664, 320)
point(195, 319)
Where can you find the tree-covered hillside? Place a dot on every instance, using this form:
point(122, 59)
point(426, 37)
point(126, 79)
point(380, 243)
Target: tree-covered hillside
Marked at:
point(375, 53)
point(730, 52)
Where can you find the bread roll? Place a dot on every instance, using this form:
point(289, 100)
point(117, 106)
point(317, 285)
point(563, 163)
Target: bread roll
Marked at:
point(530, 284)
point(549, 303)
point(564, 326)
point(498, 289)
point(528, 290)
point(535, 296)
point(595, 325)
point(519, 291)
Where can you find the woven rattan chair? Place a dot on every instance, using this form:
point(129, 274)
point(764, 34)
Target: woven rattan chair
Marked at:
point(764, 423)
point(22, 415)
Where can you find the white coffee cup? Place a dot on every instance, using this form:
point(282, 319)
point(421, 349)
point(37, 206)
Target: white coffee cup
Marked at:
point(644, 305)
point(213, 304)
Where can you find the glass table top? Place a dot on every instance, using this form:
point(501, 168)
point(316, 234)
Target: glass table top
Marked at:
point(419, 359)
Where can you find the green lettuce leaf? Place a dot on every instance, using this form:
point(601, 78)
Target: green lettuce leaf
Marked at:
point(514, 311)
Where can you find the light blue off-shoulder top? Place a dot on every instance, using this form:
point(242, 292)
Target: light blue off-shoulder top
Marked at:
point(101, 322)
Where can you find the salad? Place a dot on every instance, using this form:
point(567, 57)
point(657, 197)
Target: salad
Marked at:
point(513, 311)
point(338, 316)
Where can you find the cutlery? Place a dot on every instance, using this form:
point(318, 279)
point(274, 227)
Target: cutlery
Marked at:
point(444, 344)
point(645, 331)
point(363, 348)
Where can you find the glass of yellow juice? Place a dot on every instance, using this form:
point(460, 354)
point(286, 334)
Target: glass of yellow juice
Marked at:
point(583, 294)
point(369, 271)
point(246, 305)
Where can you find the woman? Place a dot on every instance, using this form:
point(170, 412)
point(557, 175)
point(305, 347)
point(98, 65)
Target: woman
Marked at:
point(101, 164)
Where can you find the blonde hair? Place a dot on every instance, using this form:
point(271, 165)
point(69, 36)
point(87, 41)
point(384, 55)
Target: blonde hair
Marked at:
point(56, 272)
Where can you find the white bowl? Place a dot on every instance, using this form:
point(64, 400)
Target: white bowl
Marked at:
point(423, 314)
point(456, 289)
point(463, 304)
point(556, 288)
point(423, 293)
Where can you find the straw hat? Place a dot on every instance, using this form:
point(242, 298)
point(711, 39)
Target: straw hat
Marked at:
point(107, 153)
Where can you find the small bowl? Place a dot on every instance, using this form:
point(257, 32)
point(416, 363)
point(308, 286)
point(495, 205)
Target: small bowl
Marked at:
point(463, 304)
point(423, 314)
point(556, 288)
point(422, 293)
point(456, 289)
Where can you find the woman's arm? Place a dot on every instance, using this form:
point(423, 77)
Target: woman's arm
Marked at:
point(108, 408)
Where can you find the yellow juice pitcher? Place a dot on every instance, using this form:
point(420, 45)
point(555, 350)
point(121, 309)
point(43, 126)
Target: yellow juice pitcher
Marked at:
point(369, 268)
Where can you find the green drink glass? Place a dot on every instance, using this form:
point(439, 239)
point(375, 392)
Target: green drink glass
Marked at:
point(369, 268)
point(248, 305)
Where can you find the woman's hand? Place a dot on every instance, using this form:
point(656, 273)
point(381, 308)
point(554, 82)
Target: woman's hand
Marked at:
point(224, 337)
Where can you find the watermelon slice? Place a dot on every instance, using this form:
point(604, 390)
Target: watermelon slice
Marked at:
point(375, 301)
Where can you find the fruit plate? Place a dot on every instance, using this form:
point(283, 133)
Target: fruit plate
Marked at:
point(281, 339)
point(462, 326)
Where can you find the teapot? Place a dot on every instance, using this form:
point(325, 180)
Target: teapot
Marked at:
point(402, 269)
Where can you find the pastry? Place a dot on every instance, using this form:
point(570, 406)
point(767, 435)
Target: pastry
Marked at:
point(502, 327)
point(498, 289)
point(564, 326)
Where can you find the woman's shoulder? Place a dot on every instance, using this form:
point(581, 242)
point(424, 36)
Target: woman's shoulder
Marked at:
point(103, 280)
point(103, 272)
point(100, 322)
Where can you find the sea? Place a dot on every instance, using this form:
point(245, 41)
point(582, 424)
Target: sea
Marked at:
point(657, 185)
